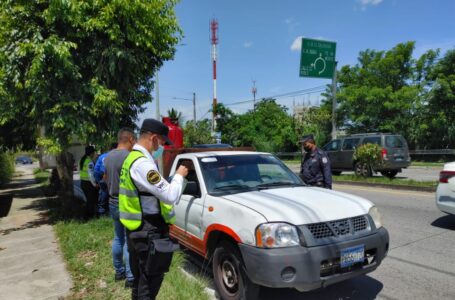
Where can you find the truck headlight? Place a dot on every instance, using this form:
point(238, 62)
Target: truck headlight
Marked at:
point(376, 216)
point(276, 235)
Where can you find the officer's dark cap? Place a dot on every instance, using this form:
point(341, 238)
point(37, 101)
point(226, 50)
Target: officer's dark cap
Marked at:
point(155, 126)
point(307, 138)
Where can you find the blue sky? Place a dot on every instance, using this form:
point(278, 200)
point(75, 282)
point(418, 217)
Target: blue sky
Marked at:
point(257, 41)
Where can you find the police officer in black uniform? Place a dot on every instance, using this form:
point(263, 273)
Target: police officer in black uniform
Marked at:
point(315, 167)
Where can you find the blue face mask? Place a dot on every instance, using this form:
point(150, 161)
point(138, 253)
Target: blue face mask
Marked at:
point(158, 153)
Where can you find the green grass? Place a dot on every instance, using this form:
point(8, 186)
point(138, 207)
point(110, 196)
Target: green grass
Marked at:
point(87, 250)
point(292, 161)
point(385, 180)
point(426, 164)
point(41, 176)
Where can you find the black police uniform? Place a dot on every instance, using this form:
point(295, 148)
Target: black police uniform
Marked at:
point(315, 169)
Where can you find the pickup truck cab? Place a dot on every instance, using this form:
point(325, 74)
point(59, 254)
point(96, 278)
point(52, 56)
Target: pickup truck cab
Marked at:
point(261, 226)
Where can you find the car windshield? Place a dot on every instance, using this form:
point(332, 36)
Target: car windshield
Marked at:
point(227, 174)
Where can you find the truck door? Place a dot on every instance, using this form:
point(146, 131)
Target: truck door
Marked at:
point(190, 207)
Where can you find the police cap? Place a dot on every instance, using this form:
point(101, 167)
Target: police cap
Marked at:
point(155, 126)
point(307, 138)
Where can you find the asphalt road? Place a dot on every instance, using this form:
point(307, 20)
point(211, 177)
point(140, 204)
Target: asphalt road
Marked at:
point(421, 260)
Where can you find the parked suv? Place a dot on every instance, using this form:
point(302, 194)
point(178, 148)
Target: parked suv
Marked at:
point(395, 153)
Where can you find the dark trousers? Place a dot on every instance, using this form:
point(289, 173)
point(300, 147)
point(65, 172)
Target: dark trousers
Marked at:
point(103, 199)
point(91, 194)
point(148, 267)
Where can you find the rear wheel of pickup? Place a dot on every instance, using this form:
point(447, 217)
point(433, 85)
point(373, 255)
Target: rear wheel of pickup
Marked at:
point(229, 274)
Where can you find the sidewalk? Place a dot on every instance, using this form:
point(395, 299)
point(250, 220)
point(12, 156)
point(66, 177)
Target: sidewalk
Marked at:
point(31, 263)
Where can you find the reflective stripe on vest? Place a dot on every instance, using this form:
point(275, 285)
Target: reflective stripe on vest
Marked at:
point(130, 209)
point(84, 171)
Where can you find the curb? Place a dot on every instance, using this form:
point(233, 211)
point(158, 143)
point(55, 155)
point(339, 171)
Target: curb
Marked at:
point(389, 186)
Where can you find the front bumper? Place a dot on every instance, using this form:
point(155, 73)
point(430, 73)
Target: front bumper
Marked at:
point(306, 268)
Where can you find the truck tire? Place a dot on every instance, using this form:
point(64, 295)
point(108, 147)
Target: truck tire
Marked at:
point(390, 174)
point(231, 281)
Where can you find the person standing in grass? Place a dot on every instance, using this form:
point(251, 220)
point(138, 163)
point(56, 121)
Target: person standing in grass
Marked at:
point(113, 164)
point(146, 202)
point(99, 171)
point(88, 183)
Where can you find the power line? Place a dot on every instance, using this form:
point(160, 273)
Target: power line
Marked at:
point(316, 89)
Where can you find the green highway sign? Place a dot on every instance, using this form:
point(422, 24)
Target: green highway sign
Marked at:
point(317, 58)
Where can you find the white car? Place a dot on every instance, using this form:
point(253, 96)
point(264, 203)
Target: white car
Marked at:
point(445, 193)
point(259, 225)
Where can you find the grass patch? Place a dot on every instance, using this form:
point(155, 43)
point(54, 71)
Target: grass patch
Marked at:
point(385, 180)
point(42, 176)
point(426, 164)
point(292, 161)
point(86, 247)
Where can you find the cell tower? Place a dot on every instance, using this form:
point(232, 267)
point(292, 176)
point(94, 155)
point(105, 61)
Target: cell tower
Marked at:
point(214, 42)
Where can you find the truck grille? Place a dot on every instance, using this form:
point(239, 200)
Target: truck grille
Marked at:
point(338, 228)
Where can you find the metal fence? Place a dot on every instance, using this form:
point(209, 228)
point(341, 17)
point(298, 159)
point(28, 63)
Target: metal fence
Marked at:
point(411, 152)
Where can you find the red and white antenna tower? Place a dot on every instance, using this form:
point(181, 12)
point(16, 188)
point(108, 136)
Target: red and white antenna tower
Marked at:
point(214, 42)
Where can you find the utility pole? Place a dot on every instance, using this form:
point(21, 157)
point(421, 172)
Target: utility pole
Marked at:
point(214, 42)
point(158, 117)
point(254, 91)
point(334, 102)
point(194, 108)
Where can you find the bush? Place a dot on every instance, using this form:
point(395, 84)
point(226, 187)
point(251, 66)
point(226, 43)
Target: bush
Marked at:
point(369, 154)
point(6, 167)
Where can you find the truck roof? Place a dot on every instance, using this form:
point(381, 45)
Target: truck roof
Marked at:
point(221, 153)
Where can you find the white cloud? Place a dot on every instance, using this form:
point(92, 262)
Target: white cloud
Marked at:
point(297, 43)
point(365, 3)
point(247, 44)
point(370, 2)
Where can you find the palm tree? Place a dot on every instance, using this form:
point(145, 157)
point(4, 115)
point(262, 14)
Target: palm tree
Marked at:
point(174, 115)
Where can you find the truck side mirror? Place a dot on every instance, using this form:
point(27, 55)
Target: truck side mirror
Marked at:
point(192, 188)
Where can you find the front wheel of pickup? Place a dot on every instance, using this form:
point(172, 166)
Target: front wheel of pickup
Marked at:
point(231, 281)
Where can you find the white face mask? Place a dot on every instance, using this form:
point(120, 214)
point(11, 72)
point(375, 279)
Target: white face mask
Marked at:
point(158, 153)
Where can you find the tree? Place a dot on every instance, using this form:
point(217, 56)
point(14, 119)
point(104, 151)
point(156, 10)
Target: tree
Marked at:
point(267, 128)
point(437, 126)
point(375, 94)
point(197, 133)
point(81, 68)
point(174, 115)
point(316, 121)
point(390, 91)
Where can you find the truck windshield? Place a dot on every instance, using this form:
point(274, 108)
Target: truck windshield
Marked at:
point(240, 173)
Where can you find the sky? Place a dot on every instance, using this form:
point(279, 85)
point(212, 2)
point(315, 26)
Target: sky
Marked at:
point(259, 40)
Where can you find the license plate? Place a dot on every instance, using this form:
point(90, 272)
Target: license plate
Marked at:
point(352, 255)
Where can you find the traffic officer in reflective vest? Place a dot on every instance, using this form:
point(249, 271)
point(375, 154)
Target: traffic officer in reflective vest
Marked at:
point(315, 167)
point(146, 202)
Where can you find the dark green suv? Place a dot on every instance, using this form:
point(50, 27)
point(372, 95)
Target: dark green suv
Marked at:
point(395, 153)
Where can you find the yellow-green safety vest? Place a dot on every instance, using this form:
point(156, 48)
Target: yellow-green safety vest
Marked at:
point(130, 209)
point(84, 171)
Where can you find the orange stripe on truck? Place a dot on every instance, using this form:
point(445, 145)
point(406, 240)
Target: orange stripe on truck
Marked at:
point(196, 244)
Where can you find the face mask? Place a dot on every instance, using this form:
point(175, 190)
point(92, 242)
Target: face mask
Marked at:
point(307, 148)
point(158, 153)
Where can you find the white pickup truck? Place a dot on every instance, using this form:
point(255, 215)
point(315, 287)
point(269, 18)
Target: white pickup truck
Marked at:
point(261, 226)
